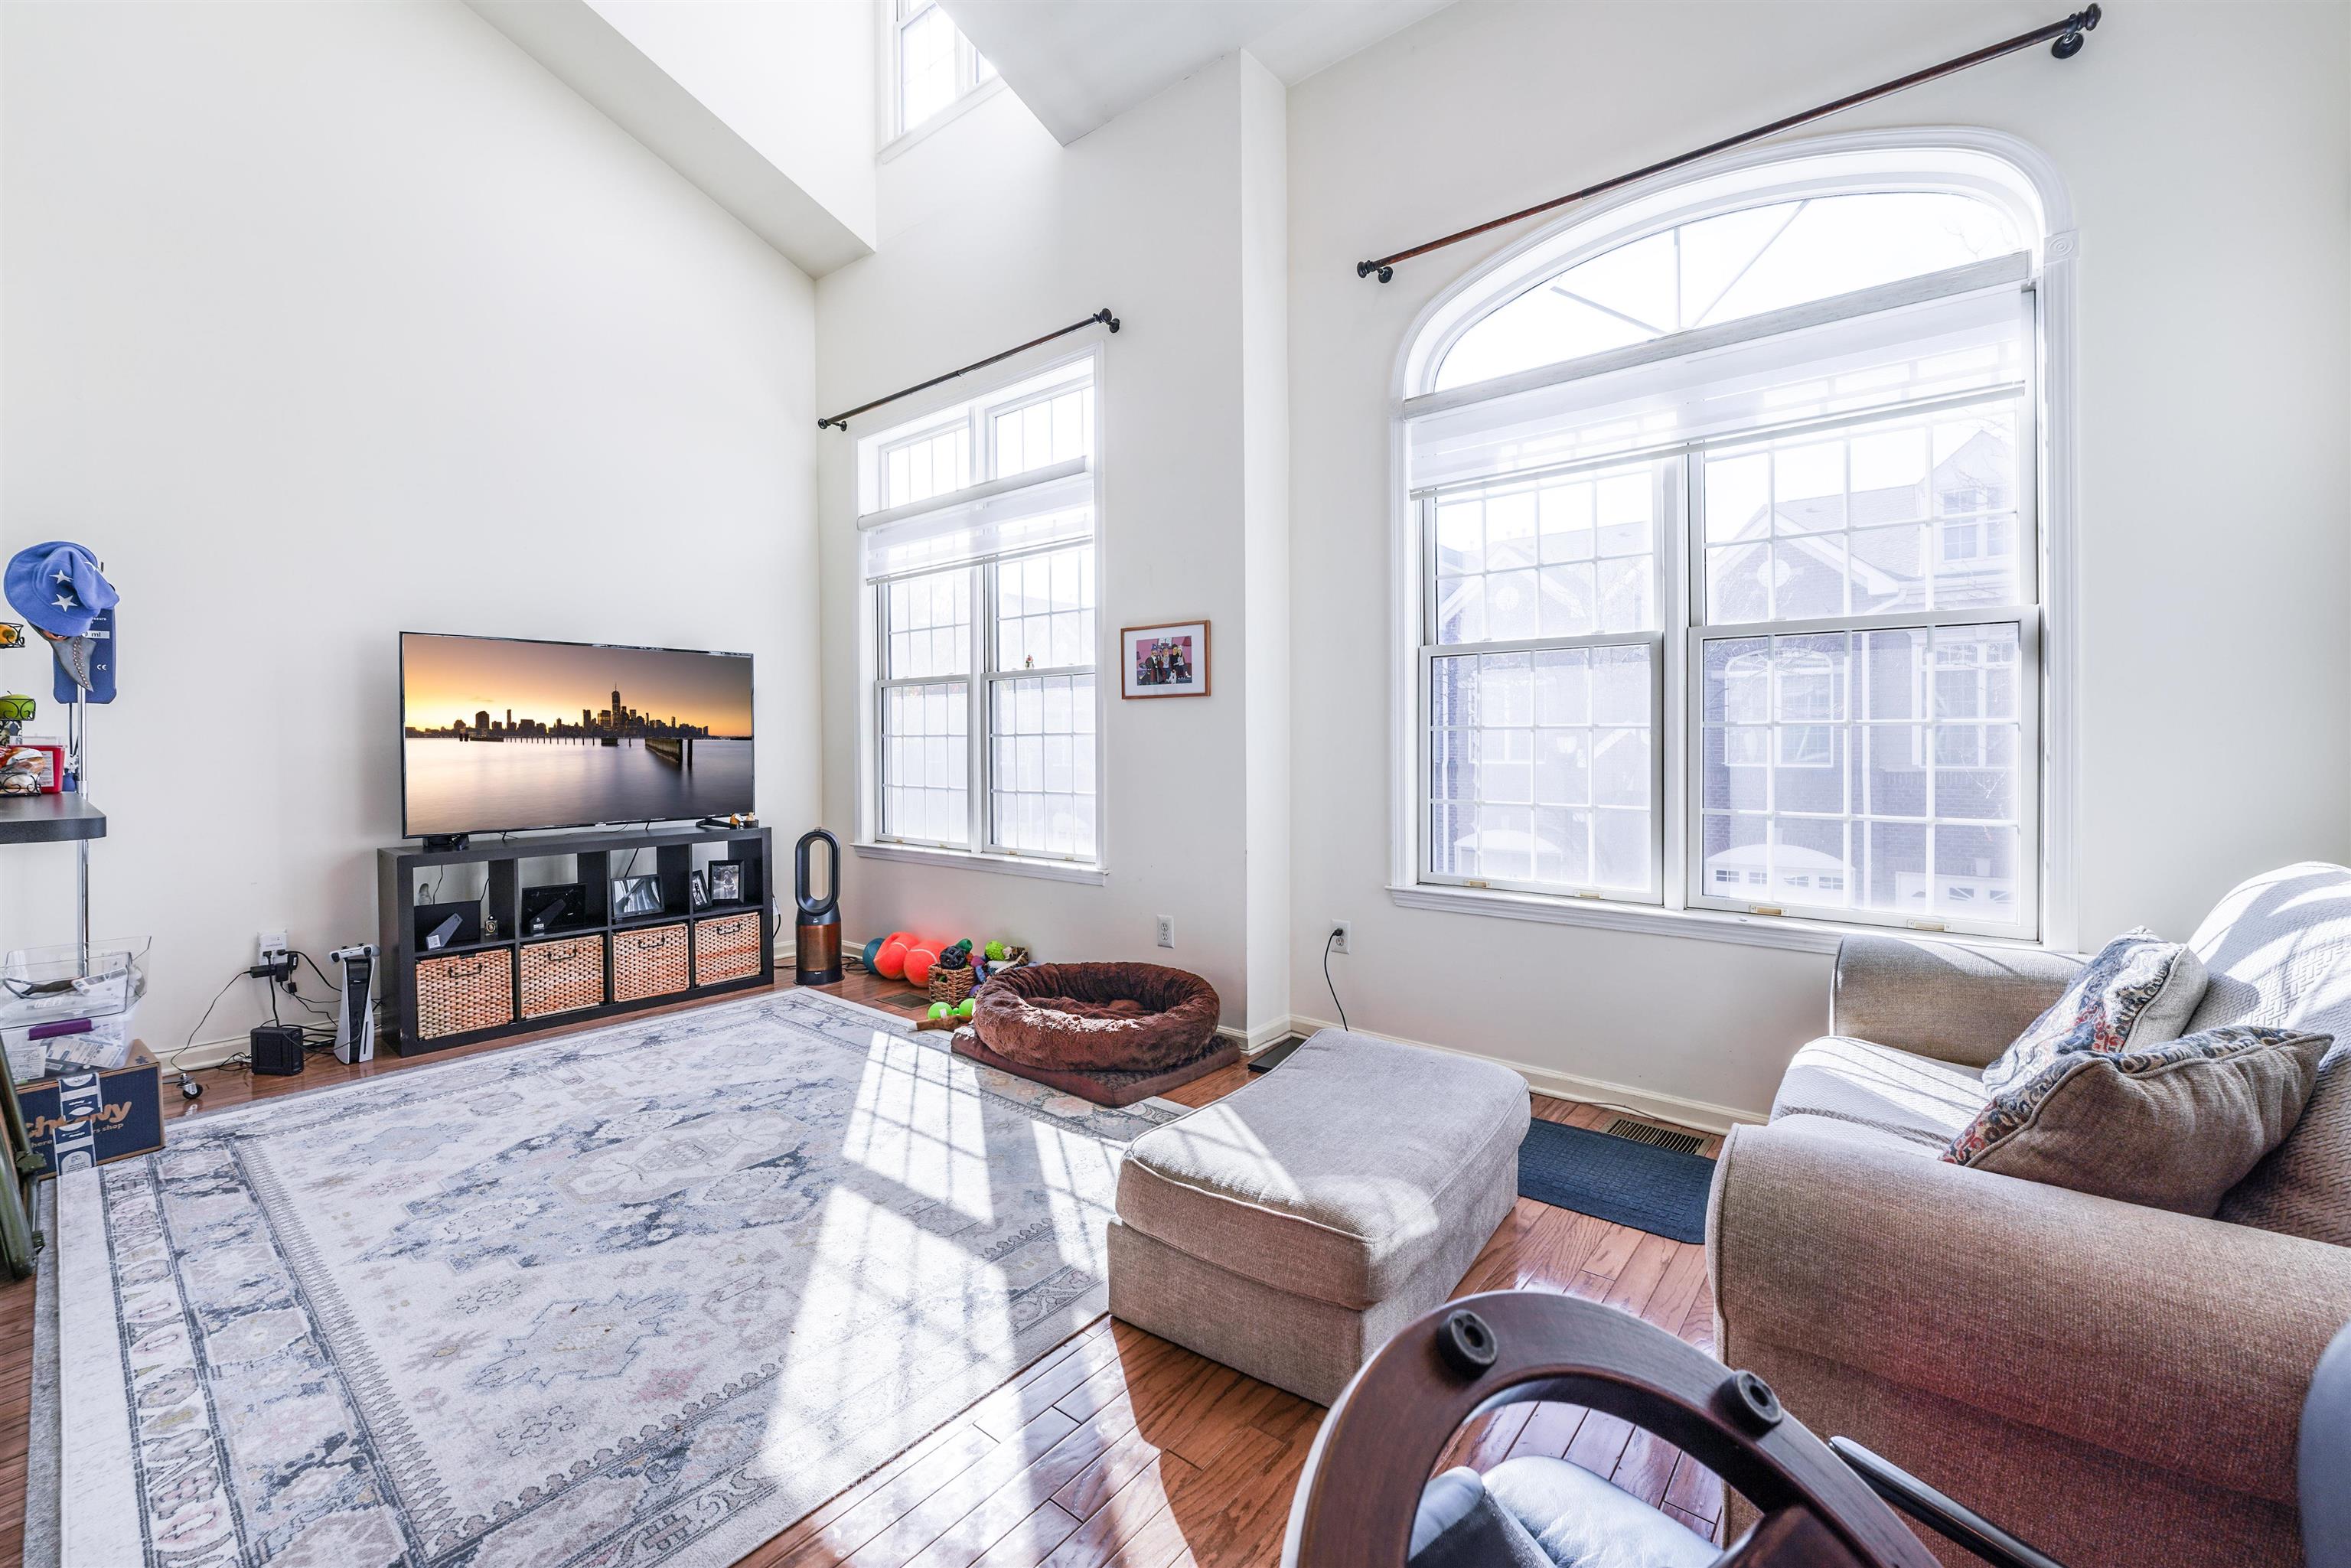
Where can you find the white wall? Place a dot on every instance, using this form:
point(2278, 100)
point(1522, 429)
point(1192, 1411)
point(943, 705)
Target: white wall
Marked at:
point(2208, 150)
point(992, 233)
point(324, 321)
point(1265, 528)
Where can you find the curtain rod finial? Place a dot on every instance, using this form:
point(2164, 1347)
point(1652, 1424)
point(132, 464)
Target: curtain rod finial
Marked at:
point(1366, 269)
point(1106, 319)
point(2069, 43)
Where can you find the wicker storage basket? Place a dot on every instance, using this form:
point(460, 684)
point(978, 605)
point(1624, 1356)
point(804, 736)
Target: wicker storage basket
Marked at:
point(950, 986)
point(726, 948)
point(465, 992)
point(649, 962)
point(563, 977)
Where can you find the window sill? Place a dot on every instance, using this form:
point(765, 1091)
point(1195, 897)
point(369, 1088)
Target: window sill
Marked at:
point(1783, 932)
point(941, 120)
point(967, 860)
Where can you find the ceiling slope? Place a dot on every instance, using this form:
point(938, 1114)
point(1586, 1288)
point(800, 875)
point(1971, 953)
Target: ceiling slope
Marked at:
point(1080, 63)
point(750, 103)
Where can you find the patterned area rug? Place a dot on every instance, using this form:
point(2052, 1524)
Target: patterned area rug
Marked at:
point(640, 1295)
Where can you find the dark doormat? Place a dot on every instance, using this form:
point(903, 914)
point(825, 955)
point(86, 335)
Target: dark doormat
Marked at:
point(1661, 1191)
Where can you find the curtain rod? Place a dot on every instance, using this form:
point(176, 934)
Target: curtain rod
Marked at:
point(841, 421)
point(2067, 34)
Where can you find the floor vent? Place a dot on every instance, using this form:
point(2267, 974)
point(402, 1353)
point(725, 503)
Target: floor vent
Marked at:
point(1649, 1133)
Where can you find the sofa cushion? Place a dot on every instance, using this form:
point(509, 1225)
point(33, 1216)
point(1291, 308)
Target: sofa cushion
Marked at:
point(1916, 1098)
point(2138, 990)
point(1335, 1175)
point(2303, 1187)
point(2278, 949)
point(2172, 1126)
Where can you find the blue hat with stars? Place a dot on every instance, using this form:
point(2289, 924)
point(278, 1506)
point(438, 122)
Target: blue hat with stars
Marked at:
point(57, 587)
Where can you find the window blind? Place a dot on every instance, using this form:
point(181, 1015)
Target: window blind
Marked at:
point(1936, 349)
point(1049, 506)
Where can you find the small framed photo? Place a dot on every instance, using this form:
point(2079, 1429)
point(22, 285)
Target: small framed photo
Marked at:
point(1165, 661)
point(697, 890)
point(726, 881)
point(635, 895)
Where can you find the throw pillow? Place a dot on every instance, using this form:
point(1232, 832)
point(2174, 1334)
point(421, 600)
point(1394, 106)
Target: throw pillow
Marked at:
point(2304, 1187)
point(2138, 990)
point(2172, 1126)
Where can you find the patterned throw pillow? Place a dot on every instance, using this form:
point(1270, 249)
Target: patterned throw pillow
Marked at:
point(2173, 1126)
point(2138, 990)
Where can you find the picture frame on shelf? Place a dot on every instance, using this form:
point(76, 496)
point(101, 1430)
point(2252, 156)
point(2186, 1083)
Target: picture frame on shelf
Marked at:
point(1168, 661)
point(697, 891)
point(726, 881)
point(636, 896)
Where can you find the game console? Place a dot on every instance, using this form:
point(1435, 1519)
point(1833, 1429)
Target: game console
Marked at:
point(355, 1007)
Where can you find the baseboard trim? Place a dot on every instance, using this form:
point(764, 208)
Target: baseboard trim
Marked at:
point(1252, 1041)
point(1699, 1114)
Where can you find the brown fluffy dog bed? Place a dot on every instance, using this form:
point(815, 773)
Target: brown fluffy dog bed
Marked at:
point(1111, 1033)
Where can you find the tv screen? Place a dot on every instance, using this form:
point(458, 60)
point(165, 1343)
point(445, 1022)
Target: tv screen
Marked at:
point(498, 734)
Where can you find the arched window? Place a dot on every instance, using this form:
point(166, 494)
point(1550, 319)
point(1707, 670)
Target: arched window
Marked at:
point(1724, 505)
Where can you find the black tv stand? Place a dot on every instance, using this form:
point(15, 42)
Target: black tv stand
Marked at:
point(726, 948)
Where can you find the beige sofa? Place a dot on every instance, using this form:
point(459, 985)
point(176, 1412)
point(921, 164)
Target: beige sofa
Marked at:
point(2117, 1384)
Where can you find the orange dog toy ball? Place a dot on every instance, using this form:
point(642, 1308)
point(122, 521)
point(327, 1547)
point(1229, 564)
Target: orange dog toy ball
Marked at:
point(920, 956)
point(890, 962)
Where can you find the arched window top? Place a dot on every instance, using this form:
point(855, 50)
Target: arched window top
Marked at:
point(1760, 231)
point(1725, 266)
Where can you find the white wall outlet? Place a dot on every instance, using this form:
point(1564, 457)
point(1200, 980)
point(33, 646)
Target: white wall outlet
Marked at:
point(1166, 930)
point(270, 944)
point(1340, 933)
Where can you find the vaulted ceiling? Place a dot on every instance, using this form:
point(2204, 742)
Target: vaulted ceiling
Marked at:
point(1080, 63)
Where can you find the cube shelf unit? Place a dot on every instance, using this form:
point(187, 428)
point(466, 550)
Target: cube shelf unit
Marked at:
point(595, 967)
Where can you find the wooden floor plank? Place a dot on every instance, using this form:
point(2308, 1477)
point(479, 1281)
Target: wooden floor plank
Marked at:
point(1117, 1449)
point(907, 1537)
point(1549, 1429)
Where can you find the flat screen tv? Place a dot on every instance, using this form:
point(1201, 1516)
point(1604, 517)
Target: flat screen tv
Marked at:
point(499, 733)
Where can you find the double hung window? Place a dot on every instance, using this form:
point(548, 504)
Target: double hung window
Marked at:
point(977, 532)
point(936, 66)
point(1729, 593)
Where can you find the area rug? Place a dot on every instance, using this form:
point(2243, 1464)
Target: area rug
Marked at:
point(640, 1295)
point(1661, 1191)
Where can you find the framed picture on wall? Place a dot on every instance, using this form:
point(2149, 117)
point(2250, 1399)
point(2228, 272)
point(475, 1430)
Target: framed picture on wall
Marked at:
point(1169, 661)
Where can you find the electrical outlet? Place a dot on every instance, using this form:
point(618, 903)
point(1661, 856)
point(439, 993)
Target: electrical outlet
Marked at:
point(1340, 934)
point(271, 945)
point(1166, 931)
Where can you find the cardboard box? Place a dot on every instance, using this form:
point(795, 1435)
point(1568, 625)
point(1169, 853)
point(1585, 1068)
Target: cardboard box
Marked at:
point(76, 1120)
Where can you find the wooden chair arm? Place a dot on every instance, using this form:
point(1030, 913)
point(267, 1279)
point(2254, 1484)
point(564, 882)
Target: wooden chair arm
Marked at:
point(1362, 1479)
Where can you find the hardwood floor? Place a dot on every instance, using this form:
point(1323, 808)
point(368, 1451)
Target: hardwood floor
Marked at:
point(1116, 1448)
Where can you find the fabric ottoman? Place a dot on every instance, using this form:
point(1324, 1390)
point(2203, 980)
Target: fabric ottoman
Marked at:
point(1289, 1229)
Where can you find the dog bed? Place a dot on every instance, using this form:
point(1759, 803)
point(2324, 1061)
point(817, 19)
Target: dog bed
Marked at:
point(1111, 1033)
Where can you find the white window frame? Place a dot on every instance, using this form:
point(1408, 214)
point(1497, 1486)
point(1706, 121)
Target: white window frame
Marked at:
point(1985, 163)
point(972, 89)
point(983, 849)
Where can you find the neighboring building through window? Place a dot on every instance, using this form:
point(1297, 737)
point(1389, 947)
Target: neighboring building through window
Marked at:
point(1729, 589)
point(935, 65)
point(978, 524)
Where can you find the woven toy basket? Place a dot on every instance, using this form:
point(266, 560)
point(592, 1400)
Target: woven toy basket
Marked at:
point(726, 948)
point(950, 986)
point(563, 977)
point(464, 992)
point(650, 961)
